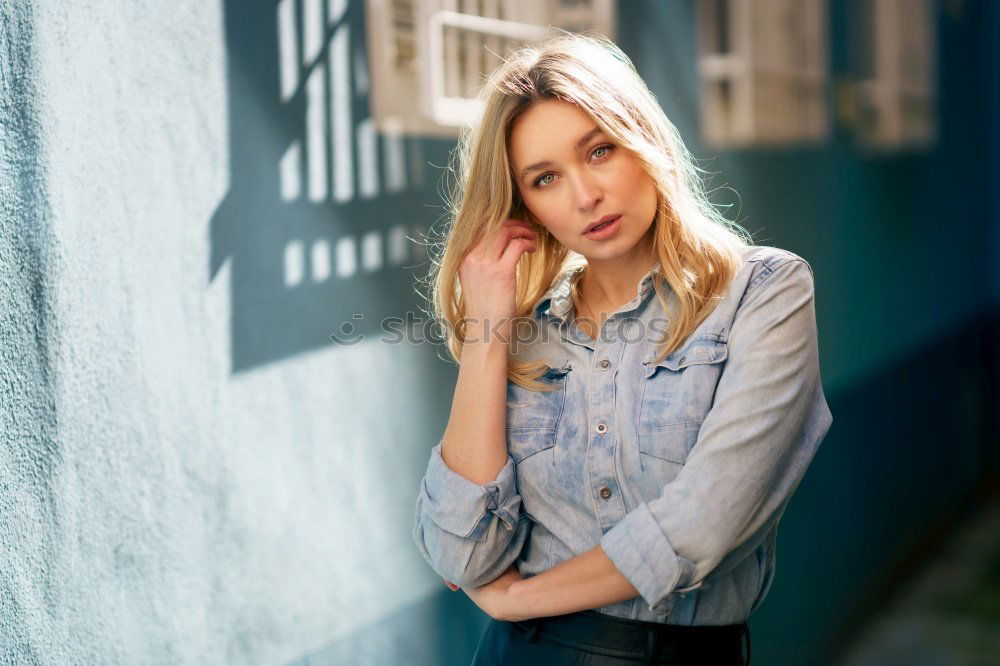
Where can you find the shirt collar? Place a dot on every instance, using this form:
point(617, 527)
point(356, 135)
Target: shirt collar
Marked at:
point(557, 301)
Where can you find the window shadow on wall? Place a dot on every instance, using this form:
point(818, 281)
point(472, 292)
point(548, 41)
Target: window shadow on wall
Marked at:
point(324, 222)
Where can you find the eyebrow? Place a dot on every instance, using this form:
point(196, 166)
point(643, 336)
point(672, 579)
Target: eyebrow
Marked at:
point(579, 144)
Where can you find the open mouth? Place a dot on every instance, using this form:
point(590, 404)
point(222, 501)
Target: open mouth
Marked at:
point(605, 228)
point(602, 226)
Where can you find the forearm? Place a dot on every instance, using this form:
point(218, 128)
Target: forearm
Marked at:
point(474, 443)
point(584, 582)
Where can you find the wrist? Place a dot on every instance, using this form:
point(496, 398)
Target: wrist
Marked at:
point(488, 330)
point(515, 602)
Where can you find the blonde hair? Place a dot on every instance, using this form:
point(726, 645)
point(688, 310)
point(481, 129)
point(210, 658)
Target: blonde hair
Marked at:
point(698, 249)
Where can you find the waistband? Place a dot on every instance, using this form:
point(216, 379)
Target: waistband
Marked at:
point(611, 636)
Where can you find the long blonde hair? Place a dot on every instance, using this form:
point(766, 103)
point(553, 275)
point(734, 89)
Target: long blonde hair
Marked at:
point(698, 249)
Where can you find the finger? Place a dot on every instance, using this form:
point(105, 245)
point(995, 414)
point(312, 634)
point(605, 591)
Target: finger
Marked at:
point(521, 232)
point(503, 241)
point(518, 224)
point(515, 236)
point(514, 250)
point(497, 243)
point(511, 223)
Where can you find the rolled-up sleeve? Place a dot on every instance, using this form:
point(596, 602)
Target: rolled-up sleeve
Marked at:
point(767, 421)
point(468, 533)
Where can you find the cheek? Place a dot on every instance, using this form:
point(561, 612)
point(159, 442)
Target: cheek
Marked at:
point(637, 178)
point(641, 186)
point(549, 210)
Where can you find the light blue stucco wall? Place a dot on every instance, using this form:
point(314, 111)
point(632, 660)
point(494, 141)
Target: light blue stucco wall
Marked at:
point(159, 501)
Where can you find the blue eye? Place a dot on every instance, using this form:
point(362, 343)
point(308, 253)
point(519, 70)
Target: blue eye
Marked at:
point(606, 147)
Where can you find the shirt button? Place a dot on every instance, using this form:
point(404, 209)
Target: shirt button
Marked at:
point(601, 428)
point(605, 492)
point(605, 364)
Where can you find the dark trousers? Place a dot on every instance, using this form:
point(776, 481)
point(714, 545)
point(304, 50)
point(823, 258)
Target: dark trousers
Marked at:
point(596, 639)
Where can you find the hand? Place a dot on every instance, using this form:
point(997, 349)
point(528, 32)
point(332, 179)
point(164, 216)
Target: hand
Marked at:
point(488, 275)
point(494, 597)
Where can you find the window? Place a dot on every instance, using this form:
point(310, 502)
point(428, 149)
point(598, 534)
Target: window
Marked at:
point(429, 57)
point(762, 67)
point(893, 58)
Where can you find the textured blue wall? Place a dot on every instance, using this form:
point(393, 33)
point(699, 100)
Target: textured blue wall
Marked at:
point(190, 471)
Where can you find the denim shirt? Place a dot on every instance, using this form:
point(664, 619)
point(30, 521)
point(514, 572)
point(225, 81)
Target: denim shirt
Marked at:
point(680, 470)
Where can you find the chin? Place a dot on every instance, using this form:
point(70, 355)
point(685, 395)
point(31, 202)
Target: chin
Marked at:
point(607, 254)
point(614, 247)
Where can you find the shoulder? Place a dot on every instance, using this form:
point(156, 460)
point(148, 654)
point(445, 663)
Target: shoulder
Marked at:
point(763, 260)
point(770, 279)
point(763, 264)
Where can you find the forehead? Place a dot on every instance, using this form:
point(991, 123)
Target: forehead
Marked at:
point(547, 126)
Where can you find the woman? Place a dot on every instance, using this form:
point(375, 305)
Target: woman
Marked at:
point(610, 481)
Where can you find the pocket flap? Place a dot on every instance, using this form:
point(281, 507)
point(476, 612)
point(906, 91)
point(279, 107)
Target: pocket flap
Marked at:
point(523, 443)
point(556, 371)
point(669, 443)
point(538, 410)
point(695, 352)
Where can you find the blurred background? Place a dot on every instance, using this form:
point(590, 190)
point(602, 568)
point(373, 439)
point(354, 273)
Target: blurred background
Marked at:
point(211, 449)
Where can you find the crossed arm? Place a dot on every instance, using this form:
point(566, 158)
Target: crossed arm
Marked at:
point(586, 581)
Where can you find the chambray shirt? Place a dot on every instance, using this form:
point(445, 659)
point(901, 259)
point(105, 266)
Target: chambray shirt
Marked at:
point(680, 469)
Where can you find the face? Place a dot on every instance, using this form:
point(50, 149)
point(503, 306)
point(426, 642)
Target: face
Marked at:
point(570, 175)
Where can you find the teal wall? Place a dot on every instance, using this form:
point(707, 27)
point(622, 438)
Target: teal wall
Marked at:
point(897, 243)
point(904, 250)
point(192, 472)
point(989, 54)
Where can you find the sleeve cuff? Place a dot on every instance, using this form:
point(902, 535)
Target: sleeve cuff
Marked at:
point(464, 508)
point(640, 551)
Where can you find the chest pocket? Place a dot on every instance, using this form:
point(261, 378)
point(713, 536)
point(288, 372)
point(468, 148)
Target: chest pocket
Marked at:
point(533, 416)
point(677, 394)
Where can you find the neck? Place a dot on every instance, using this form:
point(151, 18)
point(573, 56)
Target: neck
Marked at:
point(608, 284)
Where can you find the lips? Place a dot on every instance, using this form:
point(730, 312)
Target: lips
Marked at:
point(606, 218)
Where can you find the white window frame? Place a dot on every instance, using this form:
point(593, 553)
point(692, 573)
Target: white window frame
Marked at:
point(895, 91)
point(740, 86)
point(432, 94)
point(455, 110)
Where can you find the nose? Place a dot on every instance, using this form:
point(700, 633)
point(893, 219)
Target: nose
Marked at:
point(587, 191)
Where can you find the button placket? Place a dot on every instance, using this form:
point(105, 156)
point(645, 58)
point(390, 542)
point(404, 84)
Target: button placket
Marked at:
point(601, 462)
